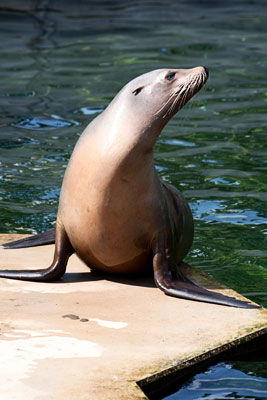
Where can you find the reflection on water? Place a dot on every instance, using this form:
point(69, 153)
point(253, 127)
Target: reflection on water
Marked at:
point(42, 123)
point(61, 64)
point(91, 110)
point(224, 382)
point(210, 211)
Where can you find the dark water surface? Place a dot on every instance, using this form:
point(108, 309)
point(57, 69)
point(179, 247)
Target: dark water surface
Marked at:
point(227, 381)
point(63, 61)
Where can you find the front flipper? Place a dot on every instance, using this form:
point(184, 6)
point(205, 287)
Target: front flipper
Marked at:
point(182, 287)
point(63, 251)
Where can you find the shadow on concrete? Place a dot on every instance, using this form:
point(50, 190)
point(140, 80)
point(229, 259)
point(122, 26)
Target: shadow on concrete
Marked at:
point(72, 277)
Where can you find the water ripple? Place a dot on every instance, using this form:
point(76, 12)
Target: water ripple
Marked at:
point(211, 211)
point(91, 110)
point(223, 381)
point(228, 195)
point(43, 123)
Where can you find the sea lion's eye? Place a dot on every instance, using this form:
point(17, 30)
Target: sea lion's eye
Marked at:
point(137, 91)
point(170, 76)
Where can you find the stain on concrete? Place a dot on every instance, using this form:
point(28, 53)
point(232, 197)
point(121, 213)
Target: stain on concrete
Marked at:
point(70, 316)
point(100, 322)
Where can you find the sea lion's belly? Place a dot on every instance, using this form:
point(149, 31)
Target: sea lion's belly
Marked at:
point(110, 230)
point(113, 244)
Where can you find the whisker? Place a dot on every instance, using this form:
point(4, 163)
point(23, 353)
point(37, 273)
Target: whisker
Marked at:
point(176, 94)
point(165, 104)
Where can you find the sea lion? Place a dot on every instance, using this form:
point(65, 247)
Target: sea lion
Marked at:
point(114, 211)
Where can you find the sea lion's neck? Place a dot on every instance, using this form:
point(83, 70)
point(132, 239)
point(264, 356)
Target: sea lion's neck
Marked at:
point(127, 134)
point(132, 157)
point(123, 142)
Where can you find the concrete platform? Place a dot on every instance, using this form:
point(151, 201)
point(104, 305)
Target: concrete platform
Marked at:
point(87, 337)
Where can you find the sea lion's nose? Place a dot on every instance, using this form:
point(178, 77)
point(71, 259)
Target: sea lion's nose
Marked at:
point(199, 70)
point(207, 71)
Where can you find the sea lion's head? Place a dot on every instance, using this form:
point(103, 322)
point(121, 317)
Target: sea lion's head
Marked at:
point(166, 91)
point(153, 98)
point(145, 104)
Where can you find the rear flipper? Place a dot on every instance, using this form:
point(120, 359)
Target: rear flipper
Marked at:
point(182, 287)
point(63, 251)
point(40, 239)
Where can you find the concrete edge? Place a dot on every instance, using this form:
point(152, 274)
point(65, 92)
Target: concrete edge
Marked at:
point(171, 378)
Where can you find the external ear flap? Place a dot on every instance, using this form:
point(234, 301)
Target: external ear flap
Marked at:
point(137, 91)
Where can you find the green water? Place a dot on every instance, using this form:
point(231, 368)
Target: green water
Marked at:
point(63, 61)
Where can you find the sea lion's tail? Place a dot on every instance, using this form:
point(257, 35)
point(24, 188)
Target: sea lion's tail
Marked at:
point(184, 288)
point(40, 239)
